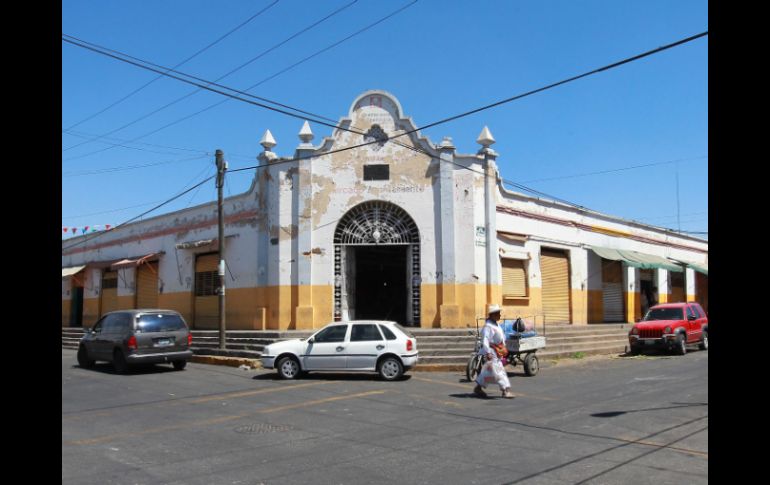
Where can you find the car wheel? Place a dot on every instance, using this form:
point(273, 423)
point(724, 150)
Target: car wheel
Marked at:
point(119, 362)
point(179, 364)
point(681, 344)
point(473, 368)
point(288, 368)
point(83, 360)
point(635, 350)
point(390, 369)
point(531, 365)
point(704, 343)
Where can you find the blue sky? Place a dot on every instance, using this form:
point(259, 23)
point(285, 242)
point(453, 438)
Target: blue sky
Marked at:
point(438, 57)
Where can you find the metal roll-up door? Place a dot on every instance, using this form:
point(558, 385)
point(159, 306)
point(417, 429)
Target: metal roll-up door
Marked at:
point(109, 294)
point(514, 279)
point(612, 291)
point(206, 299)
point(554, 268)
point(147, 285)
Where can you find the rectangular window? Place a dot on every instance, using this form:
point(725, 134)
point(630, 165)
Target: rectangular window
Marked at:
point(159, 322)
point(376, 172)
point(365, 333)
point(109, 280)
point(514, 278)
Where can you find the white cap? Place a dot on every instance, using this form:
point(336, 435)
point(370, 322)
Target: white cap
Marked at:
point(493, 309)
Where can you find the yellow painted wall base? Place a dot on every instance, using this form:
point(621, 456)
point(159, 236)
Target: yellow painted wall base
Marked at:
point(595, 306)
point(90, 311)
point(66, 309)
point(633, 305)
point(579, 313)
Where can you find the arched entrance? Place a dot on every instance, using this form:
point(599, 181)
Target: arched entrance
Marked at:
point(377, 264)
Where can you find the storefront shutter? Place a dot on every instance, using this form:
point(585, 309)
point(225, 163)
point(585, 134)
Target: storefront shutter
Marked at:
point(554, 267)
point(514, 278)
point(147, 285)
point(612, 291)
point(206, 300)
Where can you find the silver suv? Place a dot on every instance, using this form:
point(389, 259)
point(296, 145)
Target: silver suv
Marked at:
point(128, 337)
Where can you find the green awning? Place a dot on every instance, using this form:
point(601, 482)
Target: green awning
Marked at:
point(699, 267)
point(637, 260)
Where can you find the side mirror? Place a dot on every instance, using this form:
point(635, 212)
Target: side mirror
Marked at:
point(691, 317)
point(310, 340)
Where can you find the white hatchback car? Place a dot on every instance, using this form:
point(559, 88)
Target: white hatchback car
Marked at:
point(354, 346)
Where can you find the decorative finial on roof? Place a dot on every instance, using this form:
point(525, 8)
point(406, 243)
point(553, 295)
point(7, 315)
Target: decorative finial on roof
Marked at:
point(306, 134)
point(447, 144)
point(267, 141)
point(485, 139)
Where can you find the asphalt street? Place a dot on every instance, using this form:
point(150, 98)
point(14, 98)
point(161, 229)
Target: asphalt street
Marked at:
point(600, 421)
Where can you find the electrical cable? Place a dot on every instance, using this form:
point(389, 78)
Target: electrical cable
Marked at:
point(360, 31)
point(201, 51)
point(446, 120)
point(98, 234)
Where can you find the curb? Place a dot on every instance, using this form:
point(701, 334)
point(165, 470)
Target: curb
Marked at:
point(227, 361)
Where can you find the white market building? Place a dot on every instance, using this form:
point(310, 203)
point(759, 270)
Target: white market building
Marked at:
point(402, 229)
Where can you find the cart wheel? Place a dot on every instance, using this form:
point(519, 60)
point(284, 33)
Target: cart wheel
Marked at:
point(531, 365)
point(473, 368)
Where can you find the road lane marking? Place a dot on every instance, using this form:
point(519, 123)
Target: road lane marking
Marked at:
point(219, 420)
point(320, 401)
point(231, 395)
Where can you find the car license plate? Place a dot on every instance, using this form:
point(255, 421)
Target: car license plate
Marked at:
point(649, 342)
point(164, 342)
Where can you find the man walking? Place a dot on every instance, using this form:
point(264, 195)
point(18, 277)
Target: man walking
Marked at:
point(492, 338)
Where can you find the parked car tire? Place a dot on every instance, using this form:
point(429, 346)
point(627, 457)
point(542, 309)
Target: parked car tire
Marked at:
point(179, 364)
point(531, 365)
point(390, 368)
point(635, 350)
point(288, 368)
point(119, 362)
point(681, 344)
point(473, 368)
point(83, 360)
point(704, 342)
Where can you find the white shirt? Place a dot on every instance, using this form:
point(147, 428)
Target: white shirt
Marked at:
point(492, 334)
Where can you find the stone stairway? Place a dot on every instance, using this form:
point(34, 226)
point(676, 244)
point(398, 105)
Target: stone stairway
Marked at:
point(440, 349)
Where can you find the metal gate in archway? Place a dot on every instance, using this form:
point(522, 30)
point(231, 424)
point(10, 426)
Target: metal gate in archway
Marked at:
point(377, 264)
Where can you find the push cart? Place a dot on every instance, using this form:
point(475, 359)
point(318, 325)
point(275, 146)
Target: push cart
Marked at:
point(521, 350)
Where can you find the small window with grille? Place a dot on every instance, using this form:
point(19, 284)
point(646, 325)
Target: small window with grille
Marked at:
point(205, 283)
point(376, 172)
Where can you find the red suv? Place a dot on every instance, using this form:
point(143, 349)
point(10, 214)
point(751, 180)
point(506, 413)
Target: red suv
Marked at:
point(671, 326)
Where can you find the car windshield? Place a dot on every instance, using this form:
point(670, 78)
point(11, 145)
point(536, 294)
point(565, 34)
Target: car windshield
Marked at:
point(664, 314)
point(159, 322)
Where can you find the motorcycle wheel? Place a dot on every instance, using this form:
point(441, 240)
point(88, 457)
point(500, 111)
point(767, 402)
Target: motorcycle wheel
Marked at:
point(473, 368)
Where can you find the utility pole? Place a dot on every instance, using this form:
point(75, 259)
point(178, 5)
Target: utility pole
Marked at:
point(221, 169)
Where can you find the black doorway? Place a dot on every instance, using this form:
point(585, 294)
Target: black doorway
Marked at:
point(381, 283)
point(76, 307)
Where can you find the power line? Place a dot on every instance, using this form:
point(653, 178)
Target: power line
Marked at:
point(82, 173)
point(446, 120)
point(360, 31)
point(297, 34)
point(98, 234)
point(82, 134)
point(614, 170)
point(201, 51)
